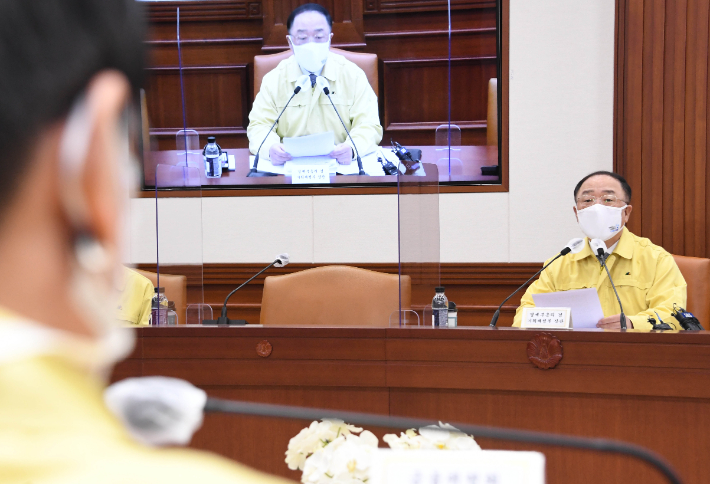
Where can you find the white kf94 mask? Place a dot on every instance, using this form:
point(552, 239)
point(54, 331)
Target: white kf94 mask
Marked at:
point(600, 221)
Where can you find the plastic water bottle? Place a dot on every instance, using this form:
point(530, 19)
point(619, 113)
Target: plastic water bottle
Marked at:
point(211, 153)
point(159, 308)
point(440, 309)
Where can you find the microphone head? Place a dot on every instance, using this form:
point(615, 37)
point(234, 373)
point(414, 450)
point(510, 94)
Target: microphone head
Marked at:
point(575, 246)
point(322, 84)
point(301, 82)
point(598, 247)
point(281, 260)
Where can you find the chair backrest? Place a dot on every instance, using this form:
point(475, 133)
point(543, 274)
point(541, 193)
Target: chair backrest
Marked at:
point(366, 62)
point(333, 296)
point(696, 272)
point(175, 290)
point(492, 118)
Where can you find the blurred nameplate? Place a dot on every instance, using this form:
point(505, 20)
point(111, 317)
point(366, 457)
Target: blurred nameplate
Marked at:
point(310, 174)
point(457, 467)
point(546, 318)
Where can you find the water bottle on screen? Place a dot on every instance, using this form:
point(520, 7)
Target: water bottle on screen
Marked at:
point(211, 153)
point(440, 309)
point(159, 308)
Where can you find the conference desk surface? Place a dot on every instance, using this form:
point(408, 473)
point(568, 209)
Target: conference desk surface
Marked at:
point(468, 170)
point(651, 389)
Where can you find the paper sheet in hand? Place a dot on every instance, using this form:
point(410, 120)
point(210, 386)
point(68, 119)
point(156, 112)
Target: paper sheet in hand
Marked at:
point(586, 308)
point(311, 145)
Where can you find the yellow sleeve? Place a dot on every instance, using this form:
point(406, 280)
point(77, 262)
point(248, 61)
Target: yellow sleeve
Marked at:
point(146, 300)
point(542, 285)
point(668, 287)
point(262, 116)
point(365, 130)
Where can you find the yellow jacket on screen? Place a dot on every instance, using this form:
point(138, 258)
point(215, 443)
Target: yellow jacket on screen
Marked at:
point(55, 428)
point(646, 277)
point(310, 112)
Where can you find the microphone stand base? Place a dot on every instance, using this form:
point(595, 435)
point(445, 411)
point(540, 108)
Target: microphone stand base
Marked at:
point(258, 174)
point(224, 322)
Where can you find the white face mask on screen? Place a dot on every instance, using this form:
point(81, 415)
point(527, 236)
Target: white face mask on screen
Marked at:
point(601, 221)
point(312, 55)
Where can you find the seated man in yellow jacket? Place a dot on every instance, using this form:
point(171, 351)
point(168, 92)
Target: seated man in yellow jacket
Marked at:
point(645, 275)
point(310, 111)
point(68, 71)
point(136, 294)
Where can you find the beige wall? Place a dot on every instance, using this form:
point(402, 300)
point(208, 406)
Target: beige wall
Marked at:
point(561, 128)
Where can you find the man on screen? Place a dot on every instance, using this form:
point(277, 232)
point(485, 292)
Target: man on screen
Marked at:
point(646, 276)
point(310, 112)
point(69, 70)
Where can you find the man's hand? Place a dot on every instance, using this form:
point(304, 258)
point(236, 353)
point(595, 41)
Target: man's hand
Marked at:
point(343, 153)
point(614, 322)
point(278, 154)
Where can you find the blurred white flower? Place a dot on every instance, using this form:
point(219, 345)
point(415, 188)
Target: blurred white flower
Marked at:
point(314, 437)
point(442, 437)
point(346, 460)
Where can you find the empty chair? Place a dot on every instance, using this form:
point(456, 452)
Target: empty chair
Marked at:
point(333, 296)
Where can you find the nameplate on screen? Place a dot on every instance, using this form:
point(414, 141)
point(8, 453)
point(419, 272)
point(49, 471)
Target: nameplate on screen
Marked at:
point(310, 174)
point(457, 467)
point(547, 318)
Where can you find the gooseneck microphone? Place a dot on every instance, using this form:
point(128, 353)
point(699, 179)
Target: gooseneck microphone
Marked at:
point(599, 248)
point(574, 246)
point(322, 83)
point(281, 261)
point(300, 82)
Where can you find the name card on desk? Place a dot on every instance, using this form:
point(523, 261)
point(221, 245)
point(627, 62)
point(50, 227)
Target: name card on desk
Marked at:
point(457, 467)
point(546, 318)
point(310, 174)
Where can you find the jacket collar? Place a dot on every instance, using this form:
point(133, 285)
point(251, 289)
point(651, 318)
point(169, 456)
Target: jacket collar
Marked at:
point(625, 247)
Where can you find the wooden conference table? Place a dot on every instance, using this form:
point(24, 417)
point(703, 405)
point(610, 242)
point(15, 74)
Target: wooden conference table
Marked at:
point(646, 388)
point(467, 170)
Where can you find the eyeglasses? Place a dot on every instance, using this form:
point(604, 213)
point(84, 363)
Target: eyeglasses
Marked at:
point(609, 200)
point(300, 39)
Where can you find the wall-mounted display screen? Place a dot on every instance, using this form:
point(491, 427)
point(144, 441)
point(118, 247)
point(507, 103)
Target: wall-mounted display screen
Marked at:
point(336, 94)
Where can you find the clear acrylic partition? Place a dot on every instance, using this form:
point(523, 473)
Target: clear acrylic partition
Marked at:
point(177, 177)
point(418, 245)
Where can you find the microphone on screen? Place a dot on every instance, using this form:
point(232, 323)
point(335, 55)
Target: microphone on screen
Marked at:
point(602, 252)
point(301, 82)
point(573, 246)
point(323, 84)
point(281, 261)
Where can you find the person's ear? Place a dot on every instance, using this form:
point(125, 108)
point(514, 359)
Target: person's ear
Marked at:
point(99, 176)
point(575, 213)
point(626, 214)
point(290, 44)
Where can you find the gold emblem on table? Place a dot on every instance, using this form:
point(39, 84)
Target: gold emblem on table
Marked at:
point(263, 348)
point(545, 351)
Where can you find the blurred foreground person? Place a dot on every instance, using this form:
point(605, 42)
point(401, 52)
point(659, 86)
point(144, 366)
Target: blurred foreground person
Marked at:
point(68, 72)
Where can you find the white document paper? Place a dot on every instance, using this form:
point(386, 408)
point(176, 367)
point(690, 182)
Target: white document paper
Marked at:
point(310, 145)
point(585, 305)
point(456, 466)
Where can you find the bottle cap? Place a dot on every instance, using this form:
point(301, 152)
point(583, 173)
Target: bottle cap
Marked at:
point(211, 139)
point(452, 305)
point(440, 289)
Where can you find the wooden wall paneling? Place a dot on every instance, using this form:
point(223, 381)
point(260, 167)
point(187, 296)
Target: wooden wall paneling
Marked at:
point(348, 27)
point(407, 6)
point(216, 101)
point(661, 120)
point(468, 84)
point(219, 10)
